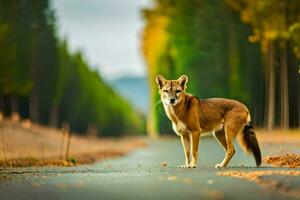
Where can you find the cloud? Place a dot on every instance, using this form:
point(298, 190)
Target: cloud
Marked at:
point(107, 31)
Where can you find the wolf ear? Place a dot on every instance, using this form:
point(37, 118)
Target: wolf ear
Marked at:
point(160, 80)
point(182, 80)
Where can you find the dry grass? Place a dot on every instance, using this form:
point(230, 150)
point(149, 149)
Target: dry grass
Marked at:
point(281, 147)
point(26, 144)
point(291, 136)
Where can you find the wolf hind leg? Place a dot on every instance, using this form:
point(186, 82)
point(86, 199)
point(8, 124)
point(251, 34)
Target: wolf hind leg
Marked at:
point(229, 136)
point(220, 136)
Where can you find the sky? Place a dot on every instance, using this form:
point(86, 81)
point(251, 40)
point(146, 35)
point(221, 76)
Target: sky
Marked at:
point(107, 31)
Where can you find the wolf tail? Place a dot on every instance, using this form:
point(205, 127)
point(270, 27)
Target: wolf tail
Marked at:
point(250, 143)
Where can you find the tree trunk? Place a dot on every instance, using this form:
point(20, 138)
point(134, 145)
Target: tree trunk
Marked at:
point(270, 88)
point(284, 89)
point(34, 106)
point(151, 130)
point(54, 116)
point(235, 86)
point(151, 118)
point(13, 104)
point(34, 97)
point(2, 104)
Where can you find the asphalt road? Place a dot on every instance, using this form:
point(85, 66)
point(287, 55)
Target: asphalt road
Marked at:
point(149, 173)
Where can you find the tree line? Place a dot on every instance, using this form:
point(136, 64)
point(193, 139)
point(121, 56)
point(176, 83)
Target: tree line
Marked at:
point(245, 50)
point(41, 79)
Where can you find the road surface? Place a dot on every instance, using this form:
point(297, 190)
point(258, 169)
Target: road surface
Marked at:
point(149, 173)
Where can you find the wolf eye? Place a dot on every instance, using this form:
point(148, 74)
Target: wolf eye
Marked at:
point(177, 91)
point(166, 91)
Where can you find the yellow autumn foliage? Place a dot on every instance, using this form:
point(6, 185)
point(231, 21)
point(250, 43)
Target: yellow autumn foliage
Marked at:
point(154, 40)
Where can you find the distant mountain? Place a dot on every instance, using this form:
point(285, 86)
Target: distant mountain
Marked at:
point(134, 89)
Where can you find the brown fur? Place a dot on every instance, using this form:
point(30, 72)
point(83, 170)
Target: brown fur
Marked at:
point(191, 116)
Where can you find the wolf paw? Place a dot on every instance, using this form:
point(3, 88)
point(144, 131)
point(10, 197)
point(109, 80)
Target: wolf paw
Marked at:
point(192, 166)
point(218, 166)
point(188, 166)
point(183, 166)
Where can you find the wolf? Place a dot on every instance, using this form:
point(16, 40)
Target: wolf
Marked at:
point(190, 116)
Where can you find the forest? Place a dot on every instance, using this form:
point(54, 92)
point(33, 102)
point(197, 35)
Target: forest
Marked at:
point(248, 50)
point(42, 80)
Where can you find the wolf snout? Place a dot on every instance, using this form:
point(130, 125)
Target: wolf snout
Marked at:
point(172, 101)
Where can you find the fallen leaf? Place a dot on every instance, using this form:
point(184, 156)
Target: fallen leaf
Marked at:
point(163, 164)
point(172, 178)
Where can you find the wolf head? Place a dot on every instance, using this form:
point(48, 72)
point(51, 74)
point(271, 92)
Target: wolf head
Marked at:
point(171, 91)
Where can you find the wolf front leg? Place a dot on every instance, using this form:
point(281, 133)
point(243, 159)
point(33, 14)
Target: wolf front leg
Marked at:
point(195, 137)
point(186, 143)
